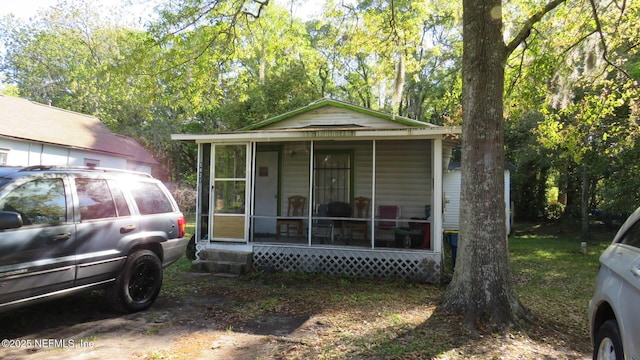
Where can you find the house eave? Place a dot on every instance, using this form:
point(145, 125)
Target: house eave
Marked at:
point(339, 104)
point(322, 134)
point(128, 157)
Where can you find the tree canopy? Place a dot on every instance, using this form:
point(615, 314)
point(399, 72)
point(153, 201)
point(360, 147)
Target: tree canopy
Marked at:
point(570, 89)
point(549, 86)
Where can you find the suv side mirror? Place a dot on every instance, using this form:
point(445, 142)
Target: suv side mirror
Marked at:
point(10, 220)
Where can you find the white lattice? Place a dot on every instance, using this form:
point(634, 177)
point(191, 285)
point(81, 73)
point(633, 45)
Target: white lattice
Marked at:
point(416, 266)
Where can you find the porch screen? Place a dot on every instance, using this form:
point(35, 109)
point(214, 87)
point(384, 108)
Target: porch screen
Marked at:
point(332, 172)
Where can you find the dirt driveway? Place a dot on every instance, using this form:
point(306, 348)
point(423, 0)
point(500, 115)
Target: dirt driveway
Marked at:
point(278, 316)
point(85, 327)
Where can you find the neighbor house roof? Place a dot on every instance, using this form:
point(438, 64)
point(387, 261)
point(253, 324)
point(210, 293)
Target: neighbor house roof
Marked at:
point(27, 120)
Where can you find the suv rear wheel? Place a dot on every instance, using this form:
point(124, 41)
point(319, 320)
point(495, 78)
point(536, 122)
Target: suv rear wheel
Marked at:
point(608, 343)
point(138, 284)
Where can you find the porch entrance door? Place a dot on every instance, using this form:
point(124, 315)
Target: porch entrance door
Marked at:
point(228, 203)
point(266, 192)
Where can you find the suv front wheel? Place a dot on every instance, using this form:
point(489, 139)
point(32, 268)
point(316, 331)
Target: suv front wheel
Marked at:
point(138, 284)
point(608, 343)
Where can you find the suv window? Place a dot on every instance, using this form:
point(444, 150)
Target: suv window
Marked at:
point(150, 198)
point(632, 236)
point(40, 202)
point(118, 196)
point(95, 199)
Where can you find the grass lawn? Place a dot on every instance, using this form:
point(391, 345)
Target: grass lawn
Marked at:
point(358, 318)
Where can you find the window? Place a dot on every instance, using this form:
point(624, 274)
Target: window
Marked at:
point(95, 199)
point(230, 182)
point(91, 162)
point(40, 202)
point(4, 154)
point(632, 236)
point(121, 203)
point(332, 177)
point(150, 199)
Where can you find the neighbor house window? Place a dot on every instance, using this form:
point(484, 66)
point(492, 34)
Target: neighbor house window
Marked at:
point(91, 162)
point(332, 177)
point(4, 154)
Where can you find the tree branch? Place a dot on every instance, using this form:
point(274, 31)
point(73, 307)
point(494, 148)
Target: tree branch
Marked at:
point(528, 26)
point(605, 51)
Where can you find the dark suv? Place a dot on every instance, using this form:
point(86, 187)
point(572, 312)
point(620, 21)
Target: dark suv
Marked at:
point(64, 230)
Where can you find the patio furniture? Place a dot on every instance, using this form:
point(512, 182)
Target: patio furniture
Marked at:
point(322, 228)
point(418, 234)
point(338, 209)
point(361, 207)
point(295, 209)
point(388, 220)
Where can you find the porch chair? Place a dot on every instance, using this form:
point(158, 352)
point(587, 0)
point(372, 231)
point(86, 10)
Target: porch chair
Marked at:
point(339, 209)
point(295, 208)
point(361, 207)
point(388, 215)
point(322, 228)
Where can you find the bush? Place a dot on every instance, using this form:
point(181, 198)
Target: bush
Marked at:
point(554, 211)
point(185, 197)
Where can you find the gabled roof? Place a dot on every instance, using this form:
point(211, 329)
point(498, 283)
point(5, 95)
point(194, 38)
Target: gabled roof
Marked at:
point(322, 120)
point(26, 120)
point(400, 120)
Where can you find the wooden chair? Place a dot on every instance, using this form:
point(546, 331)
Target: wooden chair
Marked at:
point(295, 208)
point(361, 206)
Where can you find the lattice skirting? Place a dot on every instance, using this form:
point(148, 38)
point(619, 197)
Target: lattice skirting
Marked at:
point(416, 266)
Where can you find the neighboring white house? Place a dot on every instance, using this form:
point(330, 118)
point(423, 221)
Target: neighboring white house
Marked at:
point(37, 134)
point(451, 185)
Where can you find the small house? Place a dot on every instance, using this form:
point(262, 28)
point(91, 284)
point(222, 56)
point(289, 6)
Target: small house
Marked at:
point(37, 134)
point(331, 188)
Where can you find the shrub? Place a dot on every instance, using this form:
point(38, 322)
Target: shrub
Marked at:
point(185, 197)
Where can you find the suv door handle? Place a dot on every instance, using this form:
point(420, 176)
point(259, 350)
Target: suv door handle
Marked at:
point(127, 229)
point(61, 237)
point(635, 271)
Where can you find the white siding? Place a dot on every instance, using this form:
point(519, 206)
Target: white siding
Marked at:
point(403, 175)
point(27, 153)
point(452, 181)
point(333, 116)
point(294, 178)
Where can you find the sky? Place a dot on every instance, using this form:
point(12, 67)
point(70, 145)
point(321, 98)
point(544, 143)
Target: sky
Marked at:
point(28, 8)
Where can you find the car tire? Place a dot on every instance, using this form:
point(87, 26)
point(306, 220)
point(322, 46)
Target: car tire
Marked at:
point(190, 252)
point(138, 284)
point(608, 343)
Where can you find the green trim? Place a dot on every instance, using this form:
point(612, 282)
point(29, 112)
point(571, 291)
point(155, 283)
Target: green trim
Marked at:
point(330, 102)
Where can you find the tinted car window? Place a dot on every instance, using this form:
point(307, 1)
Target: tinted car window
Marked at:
point(150, 199)
point(121, 203)
point(40, 202)
point(632, 237)
point(95, 199)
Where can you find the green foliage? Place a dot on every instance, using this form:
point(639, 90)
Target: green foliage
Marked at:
point(571, 93)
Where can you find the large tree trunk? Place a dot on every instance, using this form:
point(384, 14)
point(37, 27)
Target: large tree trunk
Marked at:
point(481, 288)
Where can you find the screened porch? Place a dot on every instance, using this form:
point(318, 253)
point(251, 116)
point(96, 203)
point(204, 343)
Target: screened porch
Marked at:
point(367, 194)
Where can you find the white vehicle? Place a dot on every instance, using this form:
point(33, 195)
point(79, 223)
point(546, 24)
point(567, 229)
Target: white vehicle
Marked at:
point(614, 308)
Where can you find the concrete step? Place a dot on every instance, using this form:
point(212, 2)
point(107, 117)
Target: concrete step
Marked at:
point(225, 255)
point(223, 261)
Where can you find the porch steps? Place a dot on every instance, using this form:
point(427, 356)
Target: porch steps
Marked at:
point(223, 261)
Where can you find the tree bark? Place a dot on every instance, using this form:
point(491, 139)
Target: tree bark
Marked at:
point(481, 288)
